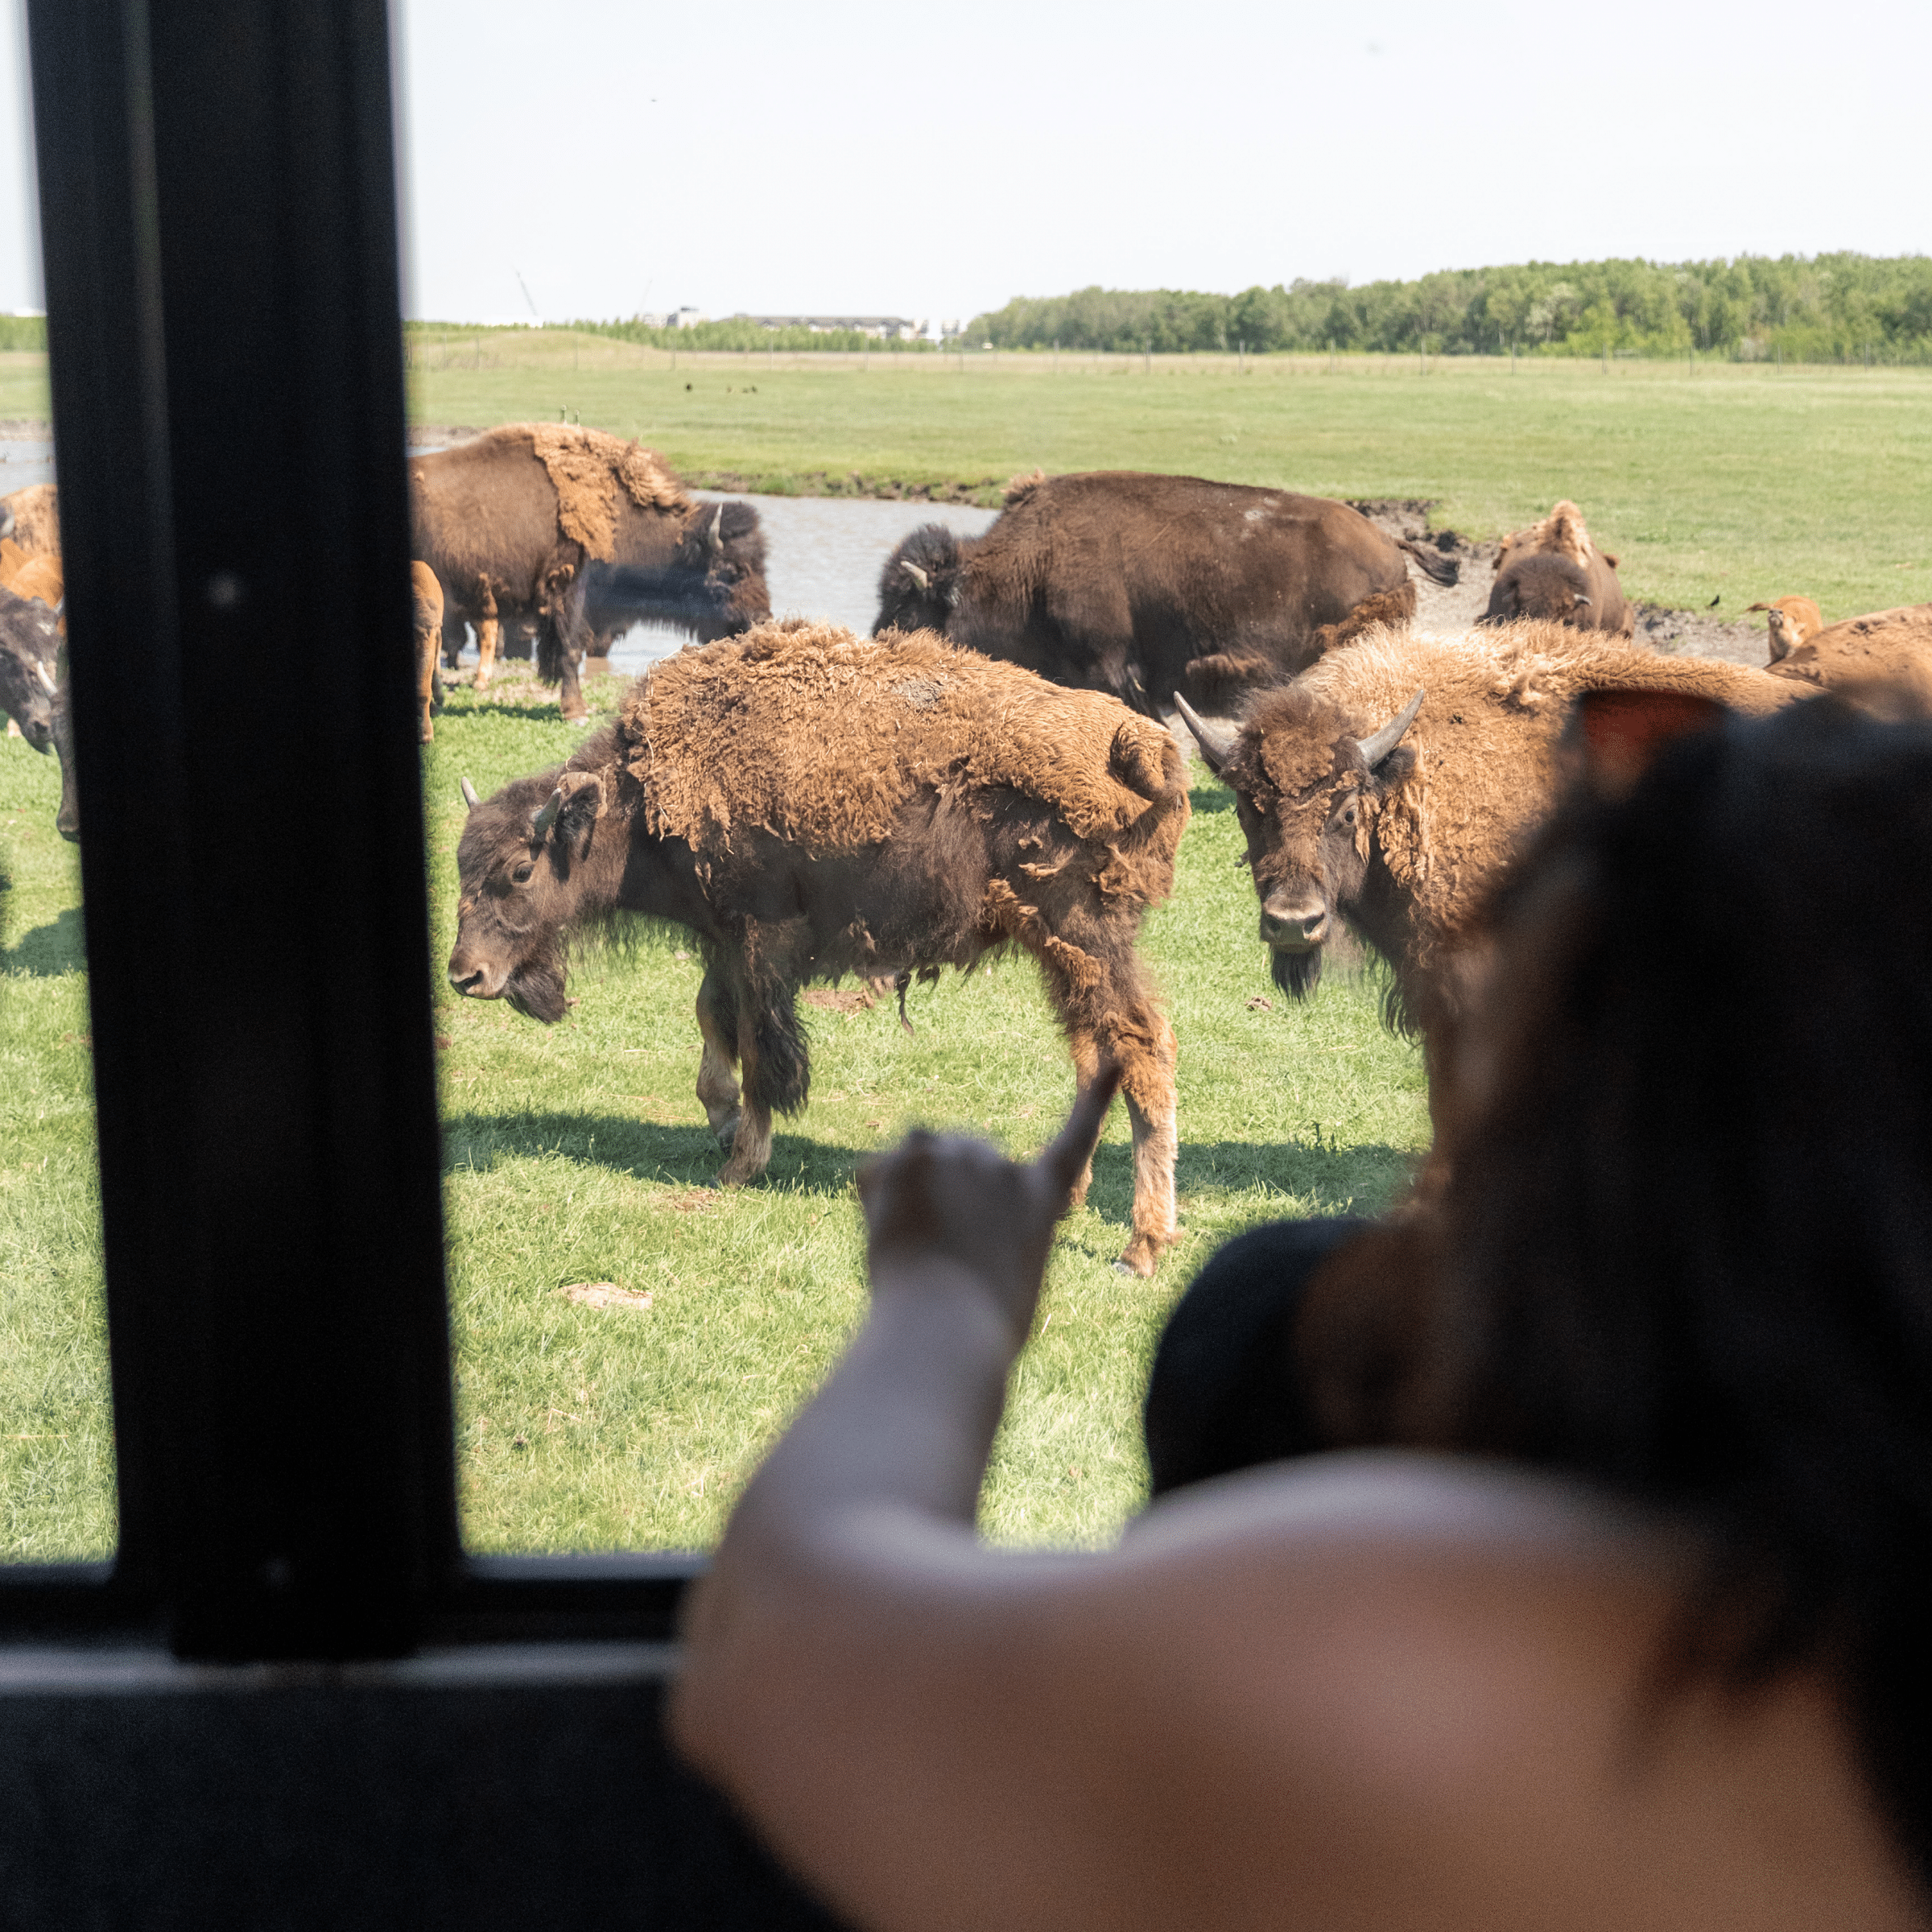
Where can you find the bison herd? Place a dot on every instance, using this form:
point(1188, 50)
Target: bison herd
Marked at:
point(999, 764)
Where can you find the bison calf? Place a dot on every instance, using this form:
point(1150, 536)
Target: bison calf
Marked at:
point(809, 805)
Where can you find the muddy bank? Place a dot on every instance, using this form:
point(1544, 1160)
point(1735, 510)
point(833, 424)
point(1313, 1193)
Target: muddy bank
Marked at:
point(988, 493)
point(1691, 633)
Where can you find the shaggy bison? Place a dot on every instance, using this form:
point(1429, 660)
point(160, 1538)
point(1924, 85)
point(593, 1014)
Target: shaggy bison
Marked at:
point(1147, 585)
point(1386, 788)
point(508, 521)
point(31, 519)
point(1552, 570)
point(1884, 652)
point(810, 805)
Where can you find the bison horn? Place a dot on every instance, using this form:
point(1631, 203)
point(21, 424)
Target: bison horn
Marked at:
point(918, 575)
point(1378, 746)
point(469, 795)
point(47, 678)
point(1581, 601)
point(1216, 744)
point(717, 532)
point(546, 815)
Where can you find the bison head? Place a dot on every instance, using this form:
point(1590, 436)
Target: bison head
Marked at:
point(30, 642)
point(522, 866)
point(1544, 585)
point(1308, 790)
point(919, 587)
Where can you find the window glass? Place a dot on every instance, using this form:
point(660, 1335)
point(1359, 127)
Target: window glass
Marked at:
point(56, 1444)
point(628, 1336)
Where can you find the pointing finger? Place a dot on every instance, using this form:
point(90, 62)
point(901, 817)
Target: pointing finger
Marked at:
point(1072, 1147)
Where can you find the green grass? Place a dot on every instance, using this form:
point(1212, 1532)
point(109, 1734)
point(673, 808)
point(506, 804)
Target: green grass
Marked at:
point(579, 1153)
point(56, 1445)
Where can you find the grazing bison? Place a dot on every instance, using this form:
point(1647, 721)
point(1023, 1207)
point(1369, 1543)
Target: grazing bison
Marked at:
point(1552, 570)
point(1386, 788)
point(29, 644)
point(426, 606)
point(1147, 585)
point(1789, 622)
point(508, 521)
point(31, 519)
point(1879, 658)
point(810, 805)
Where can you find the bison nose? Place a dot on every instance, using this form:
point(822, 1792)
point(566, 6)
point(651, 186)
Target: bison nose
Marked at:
point(1293, 927)
point(472, 982)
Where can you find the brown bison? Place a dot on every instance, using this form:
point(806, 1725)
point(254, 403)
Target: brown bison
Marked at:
point(1552, 570)
point(1863, 657)
point(1385, 788)
point(508, 521)
point(809, 805)
point(1147, 585)
point(1789, 621)
point(31, 519)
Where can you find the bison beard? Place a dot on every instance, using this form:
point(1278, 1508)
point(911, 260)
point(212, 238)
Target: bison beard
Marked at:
point(536, 987)
point(1297, 974)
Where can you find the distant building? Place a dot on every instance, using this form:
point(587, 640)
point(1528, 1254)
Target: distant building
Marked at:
point(890, 328)
point(671, 318)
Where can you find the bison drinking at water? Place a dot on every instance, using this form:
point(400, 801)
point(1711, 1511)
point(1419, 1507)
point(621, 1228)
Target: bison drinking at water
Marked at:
point(809, 805)
point(508, 521)
point(1146, 586)
point(1386, 788)
point(1554, 570)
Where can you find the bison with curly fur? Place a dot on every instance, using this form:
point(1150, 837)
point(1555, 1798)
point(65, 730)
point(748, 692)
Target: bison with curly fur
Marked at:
point(510, 521)
point(1386, 788)
point(807, 805)
point(1146, 586)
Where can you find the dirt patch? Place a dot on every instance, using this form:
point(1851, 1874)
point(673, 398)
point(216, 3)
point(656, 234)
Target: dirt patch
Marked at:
point(25, 429)
point(851, 999)
point(438, 435)
point(603, 1294)
point(990, 493)
point(1686, 634)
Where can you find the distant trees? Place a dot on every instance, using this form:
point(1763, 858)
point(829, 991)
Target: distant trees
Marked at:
point(1806, 308)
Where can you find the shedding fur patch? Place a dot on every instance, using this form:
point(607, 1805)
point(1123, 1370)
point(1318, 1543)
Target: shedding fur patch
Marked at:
point(1885, 649)
point(1562, 534)
point(588, 468)
point(1019, 488)
point(36, 518)
point(822, 738)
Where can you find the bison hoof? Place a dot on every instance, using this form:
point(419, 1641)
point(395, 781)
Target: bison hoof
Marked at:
point(726, 1130)
point(1141, 1256)
point(575, 714)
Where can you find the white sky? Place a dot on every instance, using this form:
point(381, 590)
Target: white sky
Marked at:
point(933, 161)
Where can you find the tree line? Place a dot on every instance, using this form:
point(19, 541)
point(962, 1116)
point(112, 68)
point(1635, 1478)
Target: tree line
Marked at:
point(1819, 308)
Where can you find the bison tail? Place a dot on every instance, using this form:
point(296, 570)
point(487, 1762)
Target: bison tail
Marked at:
point(1435, 566)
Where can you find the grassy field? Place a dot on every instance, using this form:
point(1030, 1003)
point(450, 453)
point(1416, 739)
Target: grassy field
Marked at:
point(578, 1154)
point(1742, 482)
point(1736, 481)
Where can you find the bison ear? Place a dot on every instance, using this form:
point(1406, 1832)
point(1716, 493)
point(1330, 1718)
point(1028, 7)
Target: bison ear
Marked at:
point(567, 817)
point(1607, 558)
point(1614, 737)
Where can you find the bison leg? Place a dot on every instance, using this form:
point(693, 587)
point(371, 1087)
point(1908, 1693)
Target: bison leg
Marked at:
point(1086, 1066)
point(490, 635)
point(717, 1083)
point(771, 1048)
point(428, 639)
point(1147, 1085)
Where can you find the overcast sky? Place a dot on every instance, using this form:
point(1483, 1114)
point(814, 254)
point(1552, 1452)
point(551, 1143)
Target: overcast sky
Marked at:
point(934, 161)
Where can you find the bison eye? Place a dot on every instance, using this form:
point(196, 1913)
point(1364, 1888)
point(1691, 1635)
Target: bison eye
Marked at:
point(521, 875)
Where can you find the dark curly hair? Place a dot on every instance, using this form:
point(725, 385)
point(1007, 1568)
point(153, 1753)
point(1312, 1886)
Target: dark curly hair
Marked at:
point(1684, 1244)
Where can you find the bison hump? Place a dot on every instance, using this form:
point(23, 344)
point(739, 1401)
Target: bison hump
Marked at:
point(824, 739)
point(588, 468)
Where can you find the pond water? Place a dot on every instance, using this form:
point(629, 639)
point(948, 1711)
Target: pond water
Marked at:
point(822, 559)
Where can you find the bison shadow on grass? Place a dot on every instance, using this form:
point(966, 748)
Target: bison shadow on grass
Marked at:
point(684, 1155)
point(46, 952)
